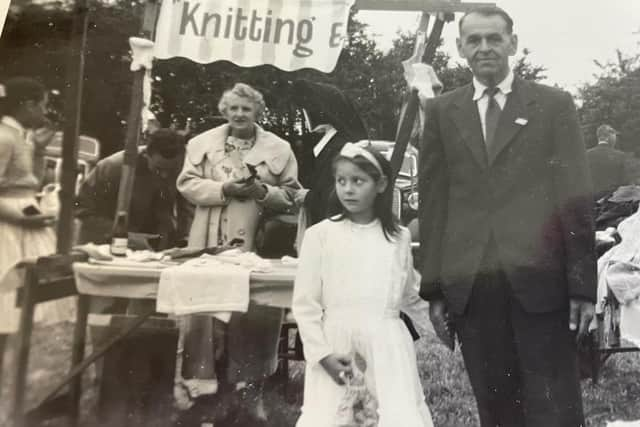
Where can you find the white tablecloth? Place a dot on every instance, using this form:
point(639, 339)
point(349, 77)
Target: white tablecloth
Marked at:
point(274, 288)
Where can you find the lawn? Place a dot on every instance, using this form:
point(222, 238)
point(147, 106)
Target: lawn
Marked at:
point(616, 396)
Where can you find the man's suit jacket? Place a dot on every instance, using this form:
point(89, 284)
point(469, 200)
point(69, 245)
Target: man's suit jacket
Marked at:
point(610, 168)
point(531, 194)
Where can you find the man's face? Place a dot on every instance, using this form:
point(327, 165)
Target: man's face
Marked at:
point(35, 113)
point(486, 45)
point(167, 169)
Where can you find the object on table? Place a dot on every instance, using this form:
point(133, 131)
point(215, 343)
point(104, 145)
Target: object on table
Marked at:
point(204, 285)
point(189, 252)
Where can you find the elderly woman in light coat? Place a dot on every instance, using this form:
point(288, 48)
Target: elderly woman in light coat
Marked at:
point(229, 205)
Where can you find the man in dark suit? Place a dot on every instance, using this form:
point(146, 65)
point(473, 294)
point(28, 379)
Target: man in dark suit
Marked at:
point(610, 167)
point(507, 239)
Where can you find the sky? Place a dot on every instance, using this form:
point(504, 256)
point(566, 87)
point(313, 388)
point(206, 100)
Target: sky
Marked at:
point(565, 36)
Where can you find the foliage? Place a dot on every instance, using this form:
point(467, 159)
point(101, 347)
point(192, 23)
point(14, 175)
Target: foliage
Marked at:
point(614, 98)
point(35, 42)
point(36, 38)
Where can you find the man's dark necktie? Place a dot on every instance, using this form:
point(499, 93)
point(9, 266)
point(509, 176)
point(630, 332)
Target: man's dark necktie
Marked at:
point(492, 116)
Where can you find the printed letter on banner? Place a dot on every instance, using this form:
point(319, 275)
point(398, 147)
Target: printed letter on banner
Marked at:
point(290, 34)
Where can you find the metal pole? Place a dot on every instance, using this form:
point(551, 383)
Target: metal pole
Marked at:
point(73, 101)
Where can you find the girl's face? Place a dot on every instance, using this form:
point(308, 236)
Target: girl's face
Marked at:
point(357, 190)
point(241, 113)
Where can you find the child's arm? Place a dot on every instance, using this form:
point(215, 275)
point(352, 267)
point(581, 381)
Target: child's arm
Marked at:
point(307, 298)
point(412, 305)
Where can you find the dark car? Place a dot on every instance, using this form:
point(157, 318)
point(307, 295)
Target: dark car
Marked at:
point(405, 195)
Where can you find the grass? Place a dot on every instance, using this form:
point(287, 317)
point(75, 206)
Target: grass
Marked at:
point(616, 396)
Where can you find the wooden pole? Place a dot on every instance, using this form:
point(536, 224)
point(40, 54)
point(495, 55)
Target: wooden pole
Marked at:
point(134, 124)
point(408, 117)
point(73, 102)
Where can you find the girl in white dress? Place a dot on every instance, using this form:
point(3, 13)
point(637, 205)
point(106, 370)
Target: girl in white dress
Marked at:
point(355, 274)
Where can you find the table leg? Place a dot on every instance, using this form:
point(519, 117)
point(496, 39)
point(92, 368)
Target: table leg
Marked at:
point(77, 355)
point(23, 339)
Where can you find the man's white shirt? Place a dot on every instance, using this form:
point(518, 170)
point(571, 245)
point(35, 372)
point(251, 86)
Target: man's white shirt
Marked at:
point(482, 99)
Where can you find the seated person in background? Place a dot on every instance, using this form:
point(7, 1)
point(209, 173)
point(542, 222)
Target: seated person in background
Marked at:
point(610, 167)
point(233, 174)
point(156, 206)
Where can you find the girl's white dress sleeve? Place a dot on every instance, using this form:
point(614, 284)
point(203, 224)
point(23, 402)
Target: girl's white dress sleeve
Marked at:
point(307, 303)
point(412, 305)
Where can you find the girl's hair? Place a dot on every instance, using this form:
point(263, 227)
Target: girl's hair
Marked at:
point(382, 206)
point(243, 90)
point(17, 91)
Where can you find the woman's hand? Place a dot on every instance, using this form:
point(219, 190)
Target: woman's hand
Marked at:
point(256, 190)
point(240, 189)
point(338, 367)
point(36, 221)
point(236, 189)
point(300, 196)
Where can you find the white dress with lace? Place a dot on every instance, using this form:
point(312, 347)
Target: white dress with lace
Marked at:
point(350, 287)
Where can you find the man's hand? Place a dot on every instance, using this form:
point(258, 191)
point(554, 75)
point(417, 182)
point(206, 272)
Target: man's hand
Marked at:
point(439, 316)
point(42, 137)
point(338, 367)
point(581, 313)
point(37, 221)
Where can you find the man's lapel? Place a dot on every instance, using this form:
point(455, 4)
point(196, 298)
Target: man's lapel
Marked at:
point(514, 117)
point(467, 120)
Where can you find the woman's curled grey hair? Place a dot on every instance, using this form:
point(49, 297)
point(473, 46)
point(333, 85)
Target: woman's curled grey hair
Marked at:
point(243, 90)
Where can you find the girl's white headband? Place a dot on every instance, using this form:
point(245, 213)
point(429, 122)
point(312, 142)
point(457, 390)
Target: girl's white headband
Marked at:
point(351, 150)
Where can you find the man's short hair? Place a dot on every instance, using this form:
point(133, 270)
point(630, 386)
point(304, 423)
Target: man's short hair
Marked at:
point(166, 142)
point(489, 11)
point(604, 132)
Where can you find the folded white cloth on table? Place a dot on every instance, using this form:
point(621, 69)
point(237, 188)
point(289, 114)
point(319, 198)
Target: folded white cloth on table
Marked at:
point(624, 424)
point(204, 285)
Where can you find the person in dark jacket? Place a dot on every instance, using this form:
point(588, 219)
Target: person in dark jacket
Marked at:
point(333, 121)
point(610, 167)
point(507, 242)
point(156, 206)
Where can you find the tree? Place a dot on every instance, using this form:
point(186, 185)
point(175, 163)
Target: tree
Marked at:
point(35, 42)
point(614, 99)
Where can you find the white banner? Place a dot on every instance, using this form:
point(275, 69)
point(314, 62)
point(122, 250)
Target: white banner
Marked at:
point(4, 10)
point(290, 34)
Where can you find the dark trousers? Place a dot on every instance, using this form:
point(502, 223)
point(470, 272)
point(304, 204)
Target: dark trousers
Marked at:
point(249, 341)
point(522, 366)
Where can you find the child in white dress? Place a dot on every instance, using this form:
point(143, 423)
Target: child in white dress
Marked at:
point(355, 274)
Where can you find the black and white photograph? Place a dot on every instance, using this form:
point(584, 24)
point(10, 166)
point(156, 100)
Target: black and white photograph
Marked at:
point(319, 213)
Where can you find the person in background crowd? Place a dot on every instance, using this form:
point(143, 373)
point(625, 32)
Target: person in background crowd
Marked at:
point(156, 207)
point(610, 167)
point(333, 121)
point(233, 174)
point(27, 231)
point(507, 237)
